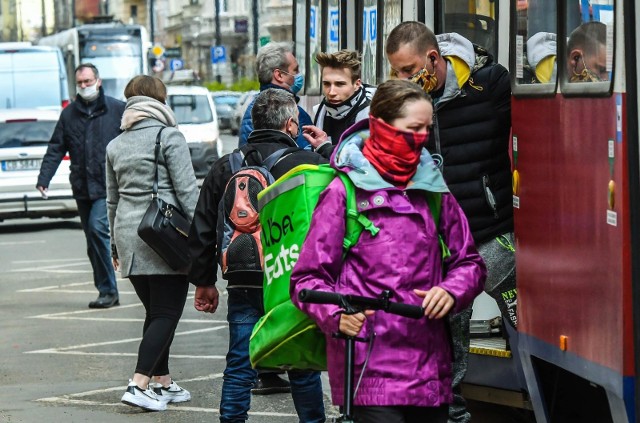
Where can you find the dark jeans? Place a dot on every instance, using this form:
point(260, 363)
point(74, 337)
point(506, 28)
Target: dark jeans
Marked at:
point(163, 297)
point(93, 217)
point(244, 309)
point(405, 414)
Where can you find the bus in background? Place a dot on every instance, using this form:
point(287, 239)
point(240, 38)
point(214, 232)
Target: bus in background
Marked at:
point(119, 52)
point(32, 77)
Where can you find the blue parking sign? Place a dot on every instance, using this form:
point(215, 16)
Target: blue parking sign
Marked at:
point(218, 54)
point(176, 64)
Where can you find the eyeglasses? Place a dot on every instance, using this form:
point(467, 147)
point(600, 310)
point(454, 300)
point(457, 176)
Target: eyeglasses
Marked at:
point(296, 122)
point(85, 82)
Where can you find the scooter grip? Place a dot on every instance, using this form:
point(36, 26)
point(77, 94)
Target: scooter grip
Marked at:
point(406, 310)
point(319, 297)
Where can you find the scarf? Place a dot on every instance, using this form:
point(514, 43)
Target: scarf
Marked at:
point(394, 153)
point(339, 111)
point(142, 107)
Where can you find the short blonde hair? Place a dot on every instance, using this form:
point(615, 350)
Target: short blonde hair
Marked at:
point(343, 59)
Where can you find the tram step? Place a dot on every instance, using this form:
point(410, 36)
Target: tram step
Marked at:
point(495, 347)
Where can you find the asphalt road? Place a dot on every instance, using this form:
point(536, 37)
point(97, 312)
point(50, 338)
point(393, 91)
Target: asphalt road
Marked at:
point(64, 362)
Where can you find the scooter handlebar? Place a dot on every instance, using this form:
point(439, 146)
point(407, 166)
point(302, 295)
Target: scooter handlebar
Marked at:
point(365, 303)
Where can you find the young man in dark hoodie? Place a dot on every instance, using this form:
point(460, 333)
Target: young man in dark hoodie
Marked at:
point(275, 119)
point(470, 137)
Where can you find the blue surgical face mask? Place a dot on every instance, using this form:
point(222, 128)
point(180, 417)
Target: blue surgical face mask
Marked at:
point(298, 82)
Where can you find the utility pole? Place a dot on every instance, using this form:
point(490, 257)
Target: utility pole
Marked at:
point(151, 25)
point(218, 37)
point(254, 12)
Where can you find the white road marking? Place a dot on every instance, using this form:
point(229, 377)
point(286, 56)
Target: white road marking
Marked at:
point(120, 341)
point(20, 243)
point(48, 268)
point(73, 399)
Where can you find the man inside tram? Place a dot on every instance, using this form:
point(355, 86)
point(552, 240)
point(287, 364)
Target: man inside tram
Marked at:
point(587, 53)
point(470, 138)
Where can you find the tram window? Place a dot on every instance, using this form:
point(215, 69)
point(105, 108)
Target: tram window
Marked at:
point(536, 42)
point(474, 20)
point(588, 54)
point(333, 26)
point(312, 76)
point(392, 14)
point(369, 40)
point(300, 34)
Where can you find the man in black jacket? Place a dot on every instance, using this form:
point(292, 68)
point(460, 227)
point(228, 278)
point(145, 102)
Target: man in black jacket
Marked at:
point(470, 137)
point(83, 131)
point(276, 127)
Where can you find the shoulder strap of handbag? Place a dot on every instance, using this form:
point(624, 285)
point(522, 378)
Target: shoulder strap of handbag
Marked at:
point(154, 192)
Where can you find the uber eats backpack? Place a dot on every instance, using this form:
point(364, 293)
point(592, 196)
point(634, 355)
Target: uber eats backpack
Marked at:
point(285, 337)
point(238, 226)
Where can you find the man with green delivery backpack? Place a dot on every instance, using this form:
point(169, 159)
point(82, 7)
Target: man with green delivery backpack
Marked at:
point(275, 119)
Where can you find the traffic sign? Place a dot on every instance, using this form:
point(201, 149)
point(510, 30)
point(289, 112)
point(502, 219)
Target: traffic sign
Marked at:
point(218, 54)
point(157, 50)
point(176, 64)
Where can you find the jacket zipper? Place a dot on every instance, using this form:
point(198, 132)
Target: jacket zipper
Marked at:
point(491, 199)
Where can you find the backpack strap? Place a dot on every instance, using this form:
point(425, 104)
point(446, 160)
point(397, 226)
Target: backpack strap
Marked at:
point(274, 157)
point(235, 161)
point(434, 201)
point(356, 222)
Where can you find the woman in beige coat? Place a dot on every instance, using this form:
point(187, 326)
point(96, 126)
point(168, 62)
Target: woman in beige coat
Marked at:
point(163, 291)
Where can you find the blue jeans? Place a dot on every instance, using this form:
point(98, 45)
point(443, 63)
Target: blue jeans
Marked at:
point(244, 309)
point(93, 217)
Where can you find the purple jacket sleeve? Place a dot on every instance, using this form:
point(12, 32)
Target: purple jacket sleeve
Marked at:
point(465, 271)
point(320, 259)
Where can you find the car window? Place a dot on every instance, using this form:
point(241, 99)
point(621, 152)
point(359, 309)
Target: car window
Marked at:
point(191, 108)
point(230, 100)
point(25, 133)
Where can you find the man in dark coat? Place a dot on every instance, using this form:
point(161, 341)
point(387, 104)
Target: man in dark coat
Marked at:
point(275, 118)
point(83, 131)
point(470, 137)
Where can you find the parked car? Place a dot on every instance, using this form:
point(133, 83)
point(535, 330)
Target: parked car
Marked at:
point(32, 77)
point(243, 104)
point(198, 122)
point(24, 135)
point(226, 103)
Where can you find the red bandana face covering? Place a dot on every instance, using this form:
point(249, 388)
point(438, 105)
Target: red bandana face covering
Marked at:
point(394, 153)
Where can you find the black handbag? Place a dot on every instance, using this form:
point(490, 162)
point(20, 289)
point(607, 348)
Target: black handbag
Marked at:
point(163, 227)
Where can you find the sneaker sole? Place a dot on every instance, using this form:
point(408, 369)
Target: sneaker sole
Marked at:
point(124, 400)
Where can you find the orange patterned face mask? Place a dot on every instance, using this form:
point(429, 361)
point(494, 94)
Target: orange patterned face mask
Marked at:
point(587, 75)
point(428, 81)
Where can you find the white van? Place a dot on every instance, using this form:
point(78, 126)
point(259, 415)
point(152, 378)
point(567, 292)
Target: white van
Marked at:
point(198, 122)
point(32, 77)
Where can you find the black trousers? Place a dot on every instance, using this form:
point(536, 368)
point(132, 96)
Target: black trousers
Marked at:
point(163, 297)
point(401, 414)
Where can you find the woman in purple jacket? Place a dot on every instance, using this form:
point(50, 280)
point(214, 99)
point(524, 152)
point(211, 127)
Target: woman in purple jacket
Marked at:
point(407, 376)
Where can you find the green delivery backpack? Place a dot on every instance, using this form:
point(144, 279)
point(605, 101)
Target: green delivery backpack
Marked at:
point(285, 337)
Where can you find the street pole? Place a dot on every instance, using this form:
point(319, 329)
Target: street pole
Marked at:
point(151, 26)
point(254, 12)
point(218, 37)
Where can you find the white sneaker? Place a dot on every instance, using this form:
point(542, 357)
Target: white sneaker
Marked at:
point(173, 393)
point(143, 398)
